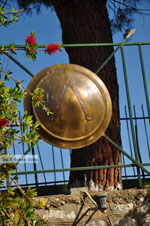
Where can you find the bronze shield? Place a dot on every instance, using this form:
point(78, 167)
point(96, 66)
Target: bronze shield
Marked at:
point(80, 103)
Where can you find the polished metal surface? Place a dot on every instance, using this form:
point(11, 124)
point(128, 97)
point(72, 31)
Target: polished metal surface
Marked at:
point(79, 100)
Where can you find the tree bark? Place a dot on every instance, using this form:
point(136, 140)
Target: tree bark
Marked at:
point(88, 22)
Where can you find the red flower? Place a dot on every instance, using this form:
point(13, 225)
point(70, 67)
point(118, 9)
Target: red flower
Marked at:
point(30, 50)
point(38, 98)
point(31, 40)
point(53, 48)
point(4, 122)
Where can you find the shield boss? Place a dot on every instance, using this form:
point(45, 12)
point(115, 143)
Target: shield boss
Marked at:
point(80, 103)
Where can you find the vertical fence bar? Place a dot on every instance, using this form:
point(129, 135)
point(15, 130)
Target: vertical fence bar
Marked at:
point(144, 80)
point(62, 163)
point(130, 113)
point(129, 137)
point(14, 150)
point(54, 163)
point(41, 164)
point(23, 150)
point(137, 140)
point(125, 172)
point(35, 169)
point(147, 141)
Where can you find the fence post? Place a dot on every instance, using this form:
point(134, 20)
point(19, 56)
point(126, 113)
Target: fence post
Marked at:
point(144, 80)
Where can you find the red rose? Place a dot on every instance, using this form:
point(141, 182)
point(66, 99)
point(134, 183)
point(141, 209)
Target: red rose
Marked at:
point(31, 40)
point(53, 48)
point(4, 122)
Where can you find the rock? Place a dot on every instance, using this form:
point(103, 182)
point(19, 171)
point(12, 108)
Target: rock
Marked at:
point(144, 208)
point(126, 221)
point(119, 208)
point(141, 199)
point(60, 214)
point(63, 203)
point(146, 220)
point(78, 190)
point(97, 223)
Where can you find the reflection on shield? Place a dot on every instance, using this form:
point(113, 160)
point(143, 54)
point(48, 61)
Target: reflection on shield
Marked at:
point(80, 103)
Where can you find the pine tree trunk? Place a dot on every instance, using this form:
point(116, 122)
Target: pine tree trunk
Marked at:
point(88, 22)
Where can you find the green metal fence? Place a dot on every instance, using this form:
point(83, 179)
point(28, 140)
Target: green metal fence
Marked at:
point(132, 62)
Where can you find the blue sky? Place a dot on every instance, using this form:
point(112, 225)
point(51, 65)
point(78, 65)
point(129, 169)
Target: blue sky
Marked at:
point(48, 30)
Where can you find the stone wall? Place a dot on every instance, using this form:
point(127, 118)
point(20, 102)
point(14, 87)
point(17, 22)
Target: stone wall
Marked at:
point(124, 208)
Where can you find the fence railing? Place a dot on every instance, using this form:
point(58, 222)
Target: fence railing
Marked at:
point(132, 62)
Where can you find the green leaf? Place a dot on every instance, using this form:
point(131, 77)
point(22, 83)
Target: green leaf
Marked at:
point(37, 223)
